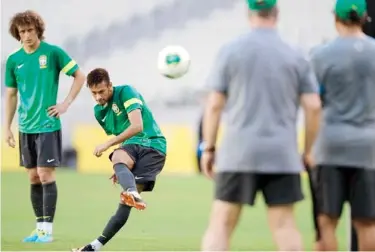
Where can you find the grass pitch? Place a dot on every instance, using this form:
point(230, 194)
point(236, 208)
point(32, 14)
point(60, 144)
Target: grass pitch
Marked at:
point(175, 219)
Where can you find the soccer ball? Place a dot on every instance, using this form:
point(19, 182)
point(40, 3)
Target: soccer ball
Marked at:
point(173, 61)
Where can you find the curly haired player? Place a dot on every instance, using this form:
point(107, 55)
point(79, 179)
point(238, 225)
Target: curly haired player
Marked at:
point(33, 72)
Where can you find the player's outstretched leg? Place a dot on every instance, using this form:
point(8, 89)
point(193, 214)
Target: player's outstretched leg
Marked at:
point(122, 165)
point(130, 195)
point(116, 222)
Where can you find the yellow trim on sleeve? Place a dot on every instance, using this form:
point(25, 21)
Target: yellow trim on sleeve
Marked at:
point(69, 66)
point(131, 102)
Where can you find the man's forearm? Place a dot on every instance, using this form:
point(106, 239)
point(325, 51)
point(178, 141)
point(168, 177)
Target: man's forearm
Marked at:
point(312, 125)
point(10, 109)
point(211, 122)
point(128, 133)
point(78, 82)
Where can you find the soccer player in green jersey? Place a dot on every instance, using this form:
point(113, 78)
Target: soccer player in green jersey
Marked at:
point(121, 111)
point(33, 72)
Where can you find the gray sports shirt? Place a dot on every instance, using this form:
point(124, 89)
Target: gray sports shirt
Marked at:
point(345, 67)
point(263, 78)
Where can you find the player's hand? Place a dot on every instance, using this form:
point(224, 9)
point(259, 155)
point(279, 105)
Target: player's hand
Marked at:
point(114, 179)
point(207, 163)
point(58, 109)
point(9, 138)
point(100, 149)
point(308, 160)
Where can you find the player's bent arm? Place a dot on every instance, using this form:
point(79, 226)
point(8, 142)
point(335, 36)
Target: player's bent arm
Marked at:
point(211, 119)
point(311, 105)
point(79, 80)
point(10, 106)
point(136, 126)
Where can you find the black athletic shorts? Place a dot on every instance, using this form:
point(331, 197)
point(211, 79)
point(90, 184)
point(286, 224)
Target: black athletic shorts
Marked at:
point(336, 185)
point(148, 163)
point(40, 149)
point(242, 187)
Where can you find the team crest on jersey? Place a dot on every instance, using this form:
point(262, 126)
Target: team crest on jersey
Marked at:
point(116, 109)
point(43, 61)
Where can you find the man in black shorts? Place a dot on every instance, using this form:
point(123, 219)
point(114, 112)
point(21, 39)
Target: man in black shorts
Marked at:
point(345, 148)
point(121, 111)
point(261, 81)
point(33, 72)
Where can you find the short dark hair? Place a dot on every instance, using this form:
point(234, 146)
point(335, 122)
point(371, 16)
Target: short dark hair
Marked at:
point(265, 13)
point(28, 17)
point(353, 19)
point(97, 76)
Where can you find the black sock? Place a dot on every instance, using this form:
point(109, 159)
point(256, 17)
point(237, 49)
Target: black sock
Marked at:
point(125, 177)
point(50, 199)
point(116, 222)
point(36, 196)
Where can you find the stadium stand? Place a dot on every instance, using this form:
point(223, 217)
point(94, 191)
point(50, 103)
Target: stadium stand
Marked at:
point(125, 37)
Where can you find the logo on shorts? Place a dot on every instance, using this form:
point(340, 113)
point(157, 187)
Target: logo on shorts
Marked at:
point(43, 61)
point(136, 177)
point(116, 109)
point(50, 160)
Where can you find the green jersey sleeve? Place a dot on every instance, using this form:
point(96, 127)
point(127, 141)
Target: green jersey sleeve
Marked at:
point(10, 78)
point(131, 99)
point(65, 63)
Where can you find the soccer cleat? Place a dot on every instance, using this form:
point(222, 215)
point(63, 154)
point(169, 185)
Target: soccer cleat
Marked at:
point(133, 199)
point(33, 236)
point(85, 248)
point(44, 238)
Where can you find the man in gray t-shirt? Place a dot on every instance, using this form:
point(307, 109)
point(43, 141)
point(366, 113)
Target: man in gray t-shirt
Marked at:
point(260, 80)
point(345, 147)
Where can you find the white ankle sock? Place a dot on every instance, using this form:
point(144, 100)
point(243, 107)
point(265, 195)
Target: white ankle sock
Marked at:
point(39, 225)
point(47, 227)
point(97, 245)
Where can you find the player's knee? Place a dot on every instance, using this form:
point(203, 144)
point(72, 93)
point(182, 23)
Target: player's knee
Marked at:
point(365, 232)
point(284, 229)
point(326, 223)
point(283, 225)
point(46, 175)
point(224, 216)
point(281, 216)
point(364, 225)
point(121, 156)
point(33, 176)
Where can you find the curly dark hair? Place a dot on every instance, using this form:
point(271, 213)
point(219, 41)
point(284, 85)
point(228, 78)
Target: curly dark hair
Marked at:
point(28, 17)
point(97, 76)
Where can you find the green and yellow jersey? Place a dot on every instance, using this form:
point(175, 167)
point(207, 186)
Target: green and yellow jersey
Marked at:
point(113, 117)
point(36, 76)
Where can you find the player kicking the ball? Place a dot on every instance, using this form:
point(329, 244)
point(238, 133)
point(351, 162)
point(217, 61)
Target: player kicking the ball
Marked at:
point(121, 111)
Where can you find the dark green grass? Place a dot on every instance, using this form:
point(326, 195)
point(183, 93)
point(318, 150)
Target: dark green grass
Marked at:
point(175, 219)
